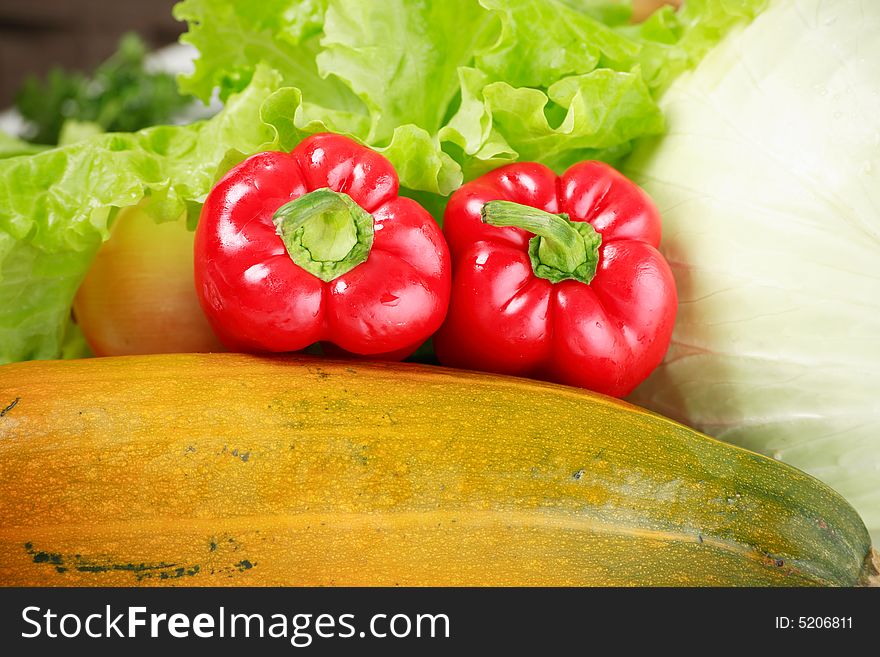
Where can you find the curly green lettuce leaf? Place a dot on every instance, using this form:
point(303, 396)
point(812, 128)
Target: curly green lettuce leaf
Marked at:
point(382, 74)
point(543, 42)
point(234, 37)
point(420, 163)
point(55, 207)
point(449, 90)
point(560, 86)
point(591, 116)
point(401, 57)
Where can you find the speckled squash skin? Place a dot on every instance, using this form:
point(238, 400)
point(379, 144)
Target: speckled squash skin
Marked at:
point(227, 469)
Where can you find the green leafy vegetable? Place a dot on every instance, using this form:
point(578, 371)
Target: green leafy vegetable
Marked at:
point(469, 84)
point(542, 42)
point(768, 185)
point(232, 37)
point(121, 96)
point(400, 58)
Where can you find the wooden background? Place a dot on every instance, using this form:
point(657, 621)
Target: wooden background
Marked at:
point(36, 35)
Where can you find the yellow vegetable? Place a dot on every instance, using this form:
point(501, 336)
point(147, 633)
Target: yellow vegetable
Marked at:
point(228, 469)
point(139, 296)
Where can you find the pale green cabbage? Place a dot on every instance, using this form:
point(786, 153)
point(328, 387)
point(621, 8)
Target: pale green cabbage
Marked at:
point(769, 183)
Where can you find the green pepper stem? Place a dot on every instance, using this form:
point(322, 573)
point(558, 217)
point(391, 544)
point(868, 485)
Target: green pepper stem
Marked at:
point(325, 232)
point(561, 249)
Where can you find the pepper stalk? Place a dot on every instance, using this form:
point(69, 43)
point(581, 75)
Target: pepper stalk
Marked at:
point(325, 232)
point(561, 249)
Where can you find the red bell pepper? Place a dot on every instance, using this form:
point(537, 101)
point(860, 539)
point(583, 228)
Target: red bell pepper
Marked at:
point(316, 246)
point(587, 301)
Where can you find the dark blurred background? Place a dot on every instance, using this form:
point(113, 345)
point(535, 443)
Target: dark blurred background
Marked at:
point(36, 35)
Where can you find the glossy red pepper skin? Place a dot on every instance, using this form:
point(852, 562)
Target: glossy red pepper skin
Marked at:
point(257, 299)
point(607, 335)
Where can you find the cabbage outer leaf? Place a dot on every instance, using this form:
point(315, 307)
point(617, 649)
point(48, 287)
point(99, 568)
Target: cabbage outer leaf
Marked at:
point(768, 180)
